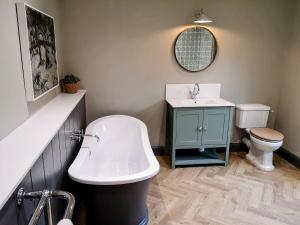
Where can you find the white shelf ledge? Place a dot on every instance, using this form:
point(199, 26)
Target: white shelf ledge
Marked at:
point(22, 147)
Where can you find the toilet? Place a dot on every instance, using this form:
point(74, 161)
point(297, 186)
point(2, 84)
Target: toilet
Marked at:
point(263, 141)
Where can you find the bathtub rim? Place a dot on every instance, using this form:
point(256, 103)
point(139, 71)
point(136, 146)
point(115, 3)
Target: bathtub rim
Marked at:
point(151, 171)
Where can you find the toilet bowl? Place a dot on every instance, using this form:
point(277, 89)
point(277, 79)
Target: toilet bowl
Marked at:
point(263, 141)
point(261, 149)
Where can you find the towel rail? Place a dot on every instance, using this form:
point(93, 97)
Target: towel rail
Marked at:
point(44, 201)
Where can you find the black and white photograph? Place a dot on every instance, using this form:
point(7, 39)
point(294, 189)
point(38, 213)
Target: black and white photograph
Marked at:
point(41, 74)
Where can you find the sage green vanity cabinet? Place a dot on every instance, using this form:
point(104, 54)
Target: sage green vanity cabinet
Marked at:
point(216, 126)
point(188, 125)
point(196, 128)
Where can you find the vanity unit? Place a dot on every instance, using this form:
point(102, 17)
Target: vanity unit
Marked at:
point(199, 123)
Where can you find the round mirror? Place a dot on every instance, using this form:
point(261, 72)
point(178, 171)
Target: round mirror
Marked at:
point(195, 49)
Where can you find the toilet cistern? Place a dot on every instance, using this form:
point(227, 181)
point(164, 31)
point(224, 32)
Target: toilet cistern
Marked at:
point(195, 91)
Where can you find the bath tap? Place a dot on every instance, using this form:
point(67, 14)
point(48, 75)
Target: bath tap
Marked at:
point(78, 134)
point(195, 91)
point(91, 135)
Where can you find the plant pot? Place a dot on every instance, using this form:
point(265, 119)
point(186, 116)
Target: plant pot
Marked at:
point(71, 87)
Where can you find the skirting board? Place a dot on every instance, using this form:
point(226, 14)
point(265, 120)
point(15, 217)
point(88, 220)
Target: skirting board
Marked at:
point(240, 147)
point(159, 150)
point(234, 147)
point(288, 156)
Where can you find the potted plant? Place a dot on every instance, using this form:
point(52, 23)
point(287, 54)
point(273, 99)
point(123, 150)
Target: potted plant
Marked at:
point(70, 83)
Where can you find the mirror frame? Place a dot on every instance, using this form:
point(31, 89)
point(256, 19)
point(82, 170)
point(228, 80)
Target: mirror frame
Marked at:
point(215, 50)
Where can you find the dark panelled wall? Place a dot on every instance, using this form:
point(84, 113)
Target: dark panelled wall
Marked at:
point(49, 172)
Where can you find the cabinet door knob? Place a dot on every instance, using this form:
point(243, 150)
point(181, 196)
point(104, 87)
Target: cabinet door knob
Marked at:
point(200, 129)
point(205, 128)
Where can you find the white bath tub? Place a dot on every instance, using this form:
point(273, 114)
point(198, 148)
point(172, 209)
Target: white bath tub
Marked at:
point(123, 155)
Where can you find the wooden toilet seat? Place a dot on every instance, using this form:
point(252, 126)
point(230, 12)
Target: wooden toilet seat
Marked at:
point(267, 134)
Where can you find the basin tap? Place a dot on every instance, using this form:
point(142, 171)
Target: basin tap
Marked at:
point(195, 91)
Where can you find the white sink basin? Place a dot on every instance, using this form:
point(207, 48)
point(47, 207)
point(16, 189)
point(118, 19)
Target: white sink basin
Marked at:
point(179, 95)
point(197, 101)
point(200, 102)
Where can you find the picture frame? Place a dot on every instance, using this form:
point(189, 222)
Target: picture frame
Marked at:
point(38, 51)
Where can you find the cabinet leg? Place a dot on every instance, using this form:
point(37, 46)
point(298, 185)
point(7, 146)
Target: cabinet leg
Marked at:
point(227, 153)
point(173, 153)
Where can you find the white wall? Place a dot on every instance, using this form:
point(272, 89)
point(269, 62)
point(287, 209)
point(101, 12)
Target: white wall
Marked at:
point(123, 52)
point(13, 105)
point(13, 108)
point(288, 120)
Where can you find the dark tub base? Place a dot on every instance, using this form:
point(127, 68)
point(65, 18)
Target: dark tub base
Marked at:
point(145, 220)
point(123, 204)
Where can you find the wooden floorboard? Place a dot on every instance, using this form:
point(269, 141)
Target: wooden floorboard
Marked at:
point(238, 194)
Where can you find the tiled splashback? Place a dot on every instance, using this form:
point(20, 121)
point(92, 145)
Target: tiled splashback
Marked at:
point(182, 91)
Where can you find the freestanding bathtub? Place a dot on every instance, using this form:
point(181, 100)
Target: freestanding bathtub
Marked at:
point(114, 172)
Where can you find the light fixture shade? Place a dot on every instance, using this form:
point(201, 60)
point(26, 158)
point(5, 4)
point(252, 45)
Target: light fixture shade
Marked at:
point(200, 17)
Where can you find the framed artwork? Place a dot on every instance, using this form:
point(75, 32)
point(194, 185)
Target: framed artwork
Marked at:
point(38, 50)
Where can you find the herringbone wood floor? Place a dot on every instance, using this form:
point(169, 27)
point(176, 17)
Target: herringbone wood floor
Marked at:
point(237, 194)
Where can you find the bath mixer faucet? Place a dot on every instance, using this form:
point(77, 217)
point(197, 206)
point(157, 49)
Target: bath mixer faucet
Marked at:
point(195, 91)
point(91, 135)
point(78, 134)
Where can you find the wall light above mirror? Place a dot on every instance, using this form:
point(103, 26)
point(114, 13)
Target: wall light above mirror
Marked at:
point(201, 17)
point(195, 49)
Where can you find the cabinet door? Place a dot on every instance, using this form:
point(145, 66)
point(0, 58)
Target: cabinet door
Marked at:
point(187, 127)
point(215, 126)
